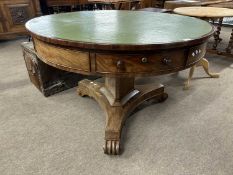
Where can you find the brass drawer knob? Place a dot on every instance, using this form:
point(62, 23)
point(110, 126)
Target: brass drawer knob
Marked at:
point(167, 61)
point(144, 60)
point(196, 52)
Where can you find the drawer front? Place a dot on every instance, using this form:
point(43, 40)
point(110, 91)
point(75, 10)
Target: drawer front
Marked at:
point(196, 53)
point(149, 63)
point(62, 57)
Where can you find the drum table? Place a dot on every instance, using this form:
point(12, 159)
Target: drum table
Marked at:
point(119, 45)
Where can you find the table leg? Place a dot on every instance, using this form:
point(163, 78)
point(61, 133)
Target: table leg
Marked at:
point(188, 81)
point(230, 45)
point(217, 39)
point(120, 5)
point(113, 6)
point(205, 64)
point(118, 97)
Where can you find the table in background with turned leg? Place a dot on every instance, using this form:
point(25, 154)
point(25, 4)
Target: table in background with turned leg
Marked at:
point(208, 14)
point(230, 44)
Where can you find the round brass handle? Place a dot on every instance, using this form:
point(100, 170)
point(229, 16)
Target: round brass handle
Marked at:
point(167, 61)
point(144, 60)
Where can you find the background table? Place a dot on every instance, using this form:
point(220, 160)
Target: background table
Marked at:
point(187, 3)
point(213, 14)
point(119, 45)
point(209, 13)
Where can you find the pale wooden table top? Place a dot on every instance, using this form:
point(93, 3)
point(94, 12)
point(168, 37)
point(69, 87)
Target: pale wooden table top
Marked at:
point(202, 12)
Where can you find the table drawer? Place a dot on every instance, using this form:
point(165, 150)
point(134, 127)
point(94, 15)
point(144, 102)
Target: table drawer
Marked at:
point(196, 53)
point(148, 63)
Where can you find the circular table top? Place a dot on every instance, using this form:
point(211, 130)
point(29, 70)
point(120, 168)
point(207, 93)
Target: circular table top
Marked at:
point(119, 29)
point(203, 12)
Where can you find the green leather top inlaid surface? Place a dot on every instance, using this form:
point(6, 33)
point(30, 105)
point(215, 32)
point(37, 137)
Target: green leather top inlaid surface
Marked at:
point(119, 27)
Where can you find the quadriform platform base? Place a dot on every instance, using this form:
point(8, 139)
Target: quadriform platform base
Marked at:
point(118, 97)
point(113, 49)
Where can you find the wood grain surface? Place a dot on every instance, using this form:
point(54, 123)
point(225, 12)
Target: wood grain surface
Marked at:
point(67, 58)
point(119, 64)
point(205, 12)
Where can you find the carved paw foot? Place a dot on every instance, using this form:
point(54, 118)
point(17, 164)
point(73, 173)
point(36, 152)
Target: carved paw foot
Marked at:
point(82, 89)
point(112, 147)
point(81, 92)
